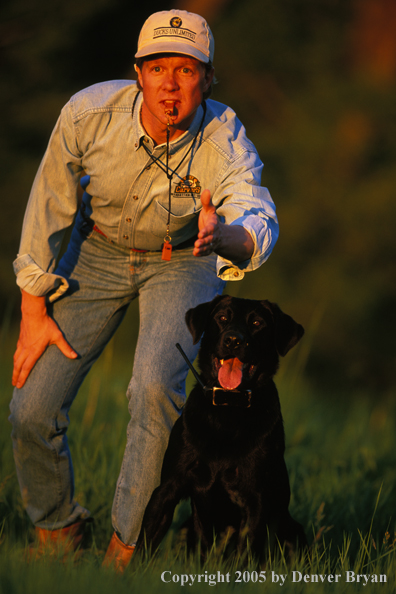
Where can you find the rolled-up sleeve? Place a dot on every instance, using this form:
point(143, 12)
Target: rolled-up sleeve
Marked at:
point(241, 200)
point(32, 279)
point(50, 211)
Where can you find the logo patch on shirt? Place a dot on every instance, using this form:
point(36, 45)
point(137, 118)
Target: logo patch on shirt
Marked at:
point(188, 185)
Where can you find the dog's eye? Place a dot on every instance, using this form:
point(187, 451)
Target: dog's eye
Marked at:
point(223, 319)
point(257, 323)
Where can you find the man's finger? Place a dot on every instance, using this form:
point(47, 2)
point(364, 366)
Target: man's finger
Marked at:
point(18, 362)
point(65, 347)
point(22, 370)
point(206, 200)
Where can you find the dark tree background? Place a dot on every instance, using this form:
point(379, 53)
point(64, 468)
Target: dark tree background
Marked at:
point(314, 82)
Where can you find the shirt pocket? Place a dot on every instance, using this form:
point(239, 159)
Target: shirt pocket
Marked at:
point(183, 218)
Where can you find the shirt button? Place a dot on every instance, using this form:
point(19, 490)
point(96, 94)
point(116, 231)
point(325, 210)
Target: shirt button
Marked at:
point(135, 197)
point(128, 219)
point(236, 273)
point(126, 236)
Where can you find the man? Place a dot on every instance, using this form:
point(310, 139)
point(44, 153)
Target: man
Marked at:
point(173, 208)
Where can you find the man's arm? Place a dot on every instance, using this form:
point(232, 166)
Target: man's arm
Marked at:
point(232, 242)
point(38, 331)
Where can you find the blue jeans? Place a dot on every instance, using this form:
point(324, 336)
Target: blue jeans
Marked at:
point(103, 280)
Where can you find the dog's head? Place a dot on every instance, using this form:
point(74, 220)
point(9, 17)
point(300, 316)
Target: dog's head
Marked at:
point(241, 340)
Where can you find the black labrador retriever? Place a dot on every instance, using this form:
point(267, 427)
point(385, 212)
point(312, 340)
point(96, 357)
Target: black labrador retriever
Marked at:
point(226, 451)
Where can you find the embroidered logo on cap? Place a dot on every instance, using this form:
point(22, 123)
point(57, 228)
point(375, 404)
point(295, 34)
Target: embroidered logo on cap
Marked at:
point(175, 30)
point(176, 22)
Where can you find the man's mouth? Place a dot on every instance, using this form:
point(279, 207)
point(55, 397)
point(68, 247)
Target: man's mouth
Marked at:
point(230, 372)
point(170, 108)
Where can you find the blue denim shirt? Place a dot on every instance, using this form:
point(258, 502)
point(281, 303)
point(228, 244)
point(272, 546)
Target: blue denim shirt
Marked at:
point(99, 132)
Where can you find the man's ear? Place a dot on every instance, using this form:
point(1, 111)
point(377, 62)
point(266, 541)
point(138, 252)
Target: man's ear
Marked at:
point(197, 317)
point(208, 79)
point(139, 73)
point(287, 331)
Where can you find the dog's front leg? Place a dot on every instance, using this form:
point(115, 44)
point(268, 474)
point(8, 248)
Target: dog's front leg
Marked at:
point(251, 529)
point(158, 516)
point(159, 511)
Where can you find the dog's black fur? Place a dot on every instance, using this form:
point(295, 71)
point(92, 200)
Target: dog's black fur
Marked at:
point(229, 459)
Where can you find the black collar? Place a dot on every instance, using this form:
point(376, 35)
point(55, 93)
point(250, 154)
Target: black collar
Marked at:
point(221, 397)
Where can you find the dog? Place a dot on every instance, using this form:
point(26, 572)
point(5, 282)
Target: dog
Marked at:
point(226, 451)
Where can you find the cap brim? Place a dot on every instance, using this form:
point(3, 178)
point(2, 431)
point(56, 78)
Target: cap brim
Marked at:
point(166, 47)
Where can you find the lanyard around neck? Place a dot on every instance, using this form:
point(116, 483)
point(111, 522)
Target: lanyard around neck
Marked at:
point(167, 247)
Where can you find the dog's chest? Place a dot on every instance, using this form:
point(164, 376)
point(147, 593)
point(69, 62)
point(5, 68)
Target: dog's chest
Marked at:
point(220, 474)
point(220, 488)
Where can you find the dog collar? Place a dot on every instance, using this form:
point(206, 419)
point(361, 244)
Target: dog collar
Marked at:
point(221, 397)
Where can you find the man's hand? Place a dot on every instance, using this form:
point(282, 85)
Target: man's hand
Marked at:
point(37, 332)
point(209, 227)
point(232, 242)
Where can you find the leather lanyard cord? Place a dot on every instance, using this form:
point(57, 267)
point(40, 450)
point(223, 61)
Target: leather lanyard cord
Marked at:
point(169, 172)
point(169, 176)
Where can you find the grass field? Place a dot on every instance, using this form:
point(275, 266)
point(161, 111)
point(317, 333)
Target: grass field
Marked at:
point(341, 455)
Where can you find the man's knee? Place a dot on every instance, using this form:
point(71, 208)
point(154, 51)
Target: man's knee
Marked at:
point(27, 417)
point(156, 399)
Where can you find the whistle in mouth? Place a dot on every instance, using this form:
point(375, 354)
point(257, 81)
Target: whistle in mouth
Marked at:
point(170, 109)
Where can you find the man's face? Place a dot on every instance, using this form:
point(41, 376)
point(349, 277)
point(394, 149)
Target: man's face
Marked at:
point(173, 85)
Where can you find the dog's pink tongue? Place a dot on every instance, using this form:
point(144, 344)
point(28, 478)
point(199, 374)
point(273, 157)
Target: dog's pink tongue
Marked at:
point(230, 374)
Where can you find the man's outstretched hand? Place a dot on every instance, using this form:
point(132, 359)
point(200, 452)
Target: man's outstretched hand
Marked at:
point(232, 242)
point(209, 227)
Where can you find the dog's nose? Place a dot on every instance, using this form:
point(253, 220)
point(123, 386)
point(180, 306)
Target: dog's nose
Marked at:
point(234, 340)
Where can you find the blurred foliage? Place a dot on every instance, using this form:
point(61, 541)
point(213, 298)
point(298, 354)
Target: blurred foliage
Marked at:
point(314, 83)
point(325, 127)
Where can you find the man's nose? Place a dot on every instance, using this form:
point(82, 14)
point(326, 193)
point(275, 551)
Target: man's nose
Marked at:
point(170, 81)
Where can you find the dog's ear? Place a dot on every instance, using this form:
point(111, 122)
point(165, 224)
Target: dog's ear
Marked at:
point(197, 317)
point(287, 331)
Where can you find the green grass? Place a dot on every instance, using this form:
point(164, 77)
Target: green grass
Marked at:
point(341, 455)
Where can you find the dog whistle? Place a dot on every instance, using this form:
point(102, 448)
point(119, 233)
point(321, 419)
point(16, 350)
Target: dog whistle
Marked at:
point(166, 251)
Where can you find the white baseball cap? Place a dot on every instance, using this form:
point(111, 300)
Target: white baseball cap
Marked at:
point(176, 31)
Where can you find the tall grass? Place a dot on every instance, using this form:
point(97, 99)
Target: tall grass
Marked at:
point(341, 455)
